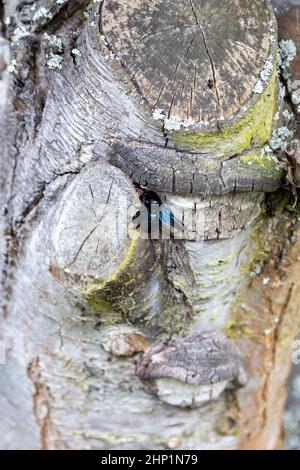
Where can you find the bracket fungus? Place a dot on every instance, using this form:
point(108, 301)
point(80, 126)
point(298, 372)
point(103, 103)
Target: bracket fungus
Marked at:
point(191, 371)
point(173, 171)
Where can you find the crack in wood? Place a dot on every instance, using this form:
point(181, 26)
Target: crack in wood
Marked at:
point(86, 239)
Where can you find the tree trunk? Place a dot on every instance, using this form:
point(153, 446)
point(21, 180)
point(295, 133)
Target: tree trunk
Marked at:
point(115, 339)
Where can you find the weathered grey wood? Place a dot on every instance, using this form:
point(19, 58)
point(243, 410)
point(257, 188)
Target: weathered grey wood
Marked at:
point(191, 59)
point(93, 213)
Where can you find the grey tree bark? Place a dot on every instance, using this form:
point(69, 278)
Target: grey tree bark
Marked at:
point(125, 342)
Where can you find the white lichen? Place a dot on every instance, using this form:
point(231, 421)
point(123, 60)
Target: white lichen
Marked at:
point(113, 56)
point(175, 123)
point(54, 41)
point(184, 395)
point(296, 98)
point(265, 75)
point(103, 39)
point(158, 114)
point(55, 62)
point(294, 89)
point(281, 92)
point(287, 115)
point(268, 155)
point(268, 331)
point(257, 270)
point(267, 70)
point(286, 54)
point(266, 150)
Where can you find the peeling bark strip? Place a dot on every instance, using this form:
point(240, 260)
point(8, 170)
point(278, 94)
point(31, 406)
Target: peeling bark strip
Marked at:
point(106, 100)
